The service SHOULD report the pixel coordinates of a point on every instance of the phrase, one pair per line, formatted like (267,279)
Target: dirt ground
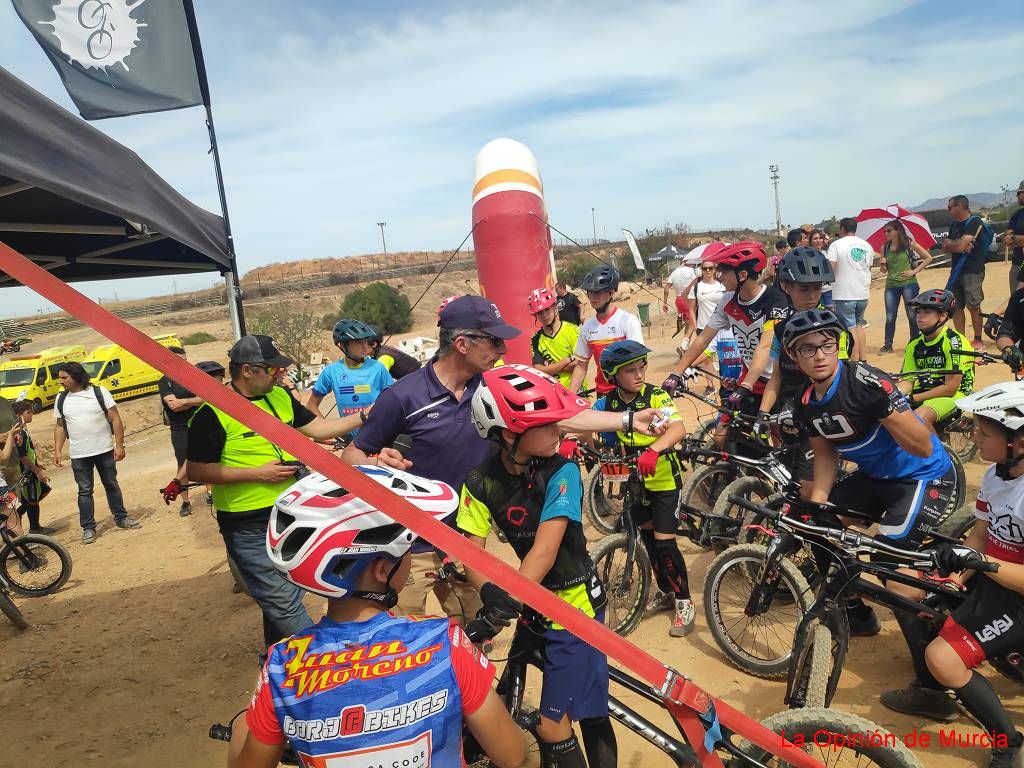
(147,645)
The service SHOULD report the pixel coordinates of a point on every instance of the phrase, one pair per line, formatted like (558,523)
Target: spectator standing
(36,487)
(1013,237)
(680,280)
(851,259)
(901,261)
(772,273)
(88,419)
(797,237)
(967,245)
(569,308)
(819,241)
(11,469)
(179,404)
(248,473)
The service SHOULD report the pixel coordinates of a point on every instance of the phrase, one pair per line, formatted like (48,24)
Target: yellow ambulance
(122,373)
(34,377)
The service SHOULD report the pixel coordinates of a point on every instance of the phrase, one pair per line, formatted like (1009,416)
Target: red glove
(170,493)
(647,462)
(569,449)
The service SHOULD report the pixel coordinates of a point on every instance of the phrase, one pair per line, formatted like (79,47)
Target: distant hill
(978,200)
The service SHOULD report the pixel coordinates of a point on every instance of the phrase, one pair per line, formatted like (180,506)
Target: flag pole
(231,281)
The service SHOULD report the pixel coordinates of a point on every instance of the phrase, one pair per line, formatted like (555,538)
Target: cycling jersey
(748,320)
(353,388)
(794,381)
(668,473)
(551,349)
(941,353)
(518,504)
(387,691)
(849,416)
(397,362)
(1001,505)
(596,334)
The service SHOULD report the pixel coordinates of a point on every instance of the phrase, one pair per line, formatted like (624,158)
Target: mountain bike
(31,565)
(821,638)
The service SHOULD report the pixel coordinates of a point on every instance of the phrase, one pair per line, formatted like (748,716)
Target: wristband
(362,416)
(625,421)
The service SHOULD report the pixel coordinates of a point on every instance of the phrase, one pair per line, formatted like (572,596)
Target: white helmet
(1003,402)
(321,536)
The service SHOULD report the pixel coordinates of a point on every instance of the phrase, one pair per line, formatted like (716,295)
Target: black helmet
(806,265)
(211,367)
(937,299)
(352,330)
(621,353)
(601,279)
(809,321)
(377,335)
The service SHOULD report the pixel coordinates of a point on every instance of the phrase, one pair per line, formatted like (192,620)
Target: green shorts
(942,406)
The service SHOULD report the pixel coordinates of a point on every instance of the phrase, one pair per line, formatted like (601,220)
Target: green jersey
(551,349)
(940,354)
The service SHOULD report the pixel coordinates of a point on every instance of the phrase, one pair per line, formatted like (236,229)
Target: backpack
(986,237)
(59,406)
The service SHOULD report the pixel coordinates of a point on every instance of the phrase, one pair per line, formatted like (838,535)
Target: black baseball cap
(258,350)
(476,313)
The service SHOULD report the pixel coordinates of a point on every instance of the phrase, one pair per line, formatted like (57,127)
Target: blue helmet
(619,354)
(352,330)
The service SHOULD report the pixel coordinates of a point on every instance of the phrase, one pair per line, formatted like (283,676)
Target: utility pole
(593,222)
(1006,193)
(773,169)
(383,242)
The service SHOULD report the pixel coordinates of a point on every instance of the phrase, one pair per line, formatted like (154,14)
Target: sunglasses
(707,269)
(493,340)
(273,370)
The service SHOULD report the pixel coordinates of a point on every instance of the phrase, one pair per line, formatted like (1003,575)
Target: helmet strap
(353,358)
(511,452)
(1003,470)
(603,309)
(386,599)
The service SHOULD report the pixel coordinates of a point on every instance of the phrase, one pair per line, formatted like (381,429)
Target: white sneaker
(682,622)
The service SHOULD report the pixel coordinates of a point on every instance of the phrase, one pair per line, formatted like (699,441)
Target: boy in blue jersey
(357,378)
(535,498)
(363,686)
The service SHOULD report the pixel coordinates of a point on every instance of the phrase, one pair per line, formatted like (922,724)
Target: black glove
(1012,357)
(954,558)
(672,384)
(760,430)
(992,323)
(498,604)
(739,396)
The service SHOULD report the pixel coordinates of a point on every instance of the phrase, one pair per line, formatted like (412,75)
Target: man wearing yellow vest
(248,473)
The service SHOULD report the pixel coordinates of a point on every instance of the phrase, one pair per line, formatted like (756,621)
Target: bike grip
(983,565)
(744,503)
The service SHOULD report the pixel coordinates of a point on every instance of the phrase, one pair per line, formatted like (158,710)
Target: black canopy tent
(87,208)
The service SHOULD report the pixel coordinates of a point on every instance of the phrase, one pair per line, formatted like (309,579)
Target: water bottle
(730,363)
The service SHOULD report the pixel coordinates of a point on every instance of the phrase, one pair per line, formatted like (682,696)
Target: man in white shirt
(851,259)
(87,417)
(680,280)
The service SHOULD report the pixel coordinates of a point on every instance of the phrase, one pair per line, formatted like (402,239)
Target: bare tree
(295,332)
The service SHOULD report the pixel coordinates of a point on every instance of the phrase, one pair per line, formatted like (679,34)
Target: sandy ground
(147,645)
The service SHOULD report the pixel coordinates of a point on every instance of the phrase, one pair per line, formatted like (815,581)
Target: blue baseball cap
(476,313)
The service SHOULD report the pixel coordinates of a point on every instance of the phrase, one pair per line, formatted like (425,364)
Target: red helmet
(540,299)
(746,255)
(518,397)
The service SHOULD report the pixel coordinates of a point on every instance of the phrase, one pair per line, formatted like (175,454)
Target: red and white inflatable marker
(683,698)
(510,236)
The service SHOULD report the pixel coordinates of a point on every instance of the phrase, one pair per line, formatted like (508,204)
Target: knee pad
(672,565)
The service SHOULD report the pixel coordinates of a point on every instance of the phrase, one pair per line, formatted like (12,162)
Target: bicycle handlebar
(857,542)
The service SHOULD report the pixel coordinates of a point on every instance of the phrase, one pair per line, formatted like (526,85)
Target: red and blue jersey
(387,691)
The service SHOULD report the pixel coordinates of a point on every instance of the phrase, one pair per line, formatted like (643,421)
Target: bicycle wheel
(760,645)
(527,719)
(34,565)
(627,582)
(837,739)
(11,611)
(813,667)
(959,440)
(725,528)
(702,489)
(957,500)
(705,431)
(603,501)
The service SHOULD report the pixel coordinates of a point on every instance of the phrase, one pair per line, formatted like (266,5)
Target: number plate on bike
(615,472)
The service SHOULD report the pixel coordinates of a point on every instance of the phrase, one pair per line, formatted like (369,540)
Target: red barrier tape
(674,687)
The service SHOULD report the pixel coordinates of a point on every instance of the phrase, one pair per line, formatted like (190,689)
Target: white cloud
(649,112)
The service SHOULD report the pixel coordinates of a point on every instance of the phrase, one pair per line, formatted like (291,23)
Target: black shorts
(988,624)
(659,506)
(179,441)
(908,510)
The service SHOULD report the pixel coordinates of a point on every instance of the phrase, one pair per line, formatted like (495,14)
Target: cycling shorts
(575,677)
(942,406)
(659,506)
(908,510)
(988,624)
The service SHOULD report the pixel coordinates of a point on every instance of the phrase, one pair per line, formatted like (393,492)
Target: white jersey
(1001,504)
(851,260)
(707,296)
(681,278)
(595,335)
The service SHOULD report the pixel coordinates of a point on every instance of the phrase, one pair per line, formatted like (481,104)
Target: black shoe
(1006,757)
(885,350)
(43,531)
(915,699)
(88,535)
(186,509)
(863,622)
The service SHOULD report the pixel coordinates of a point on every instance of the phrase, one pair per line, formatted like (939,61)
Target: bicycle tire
(705,432)
(813,669)
(812,725)
(960,441)
(790,604)
(11,611)
(959,524)
(603,508)
(703,487)
(34,552)
(754,489)
(623,614)
(957,499)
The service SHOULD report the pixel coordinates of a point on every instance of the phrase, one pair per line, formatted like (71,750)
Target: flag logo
(96,34)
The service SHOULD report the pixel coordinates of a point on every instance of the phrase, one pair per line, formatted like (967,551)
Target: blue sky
(332,116)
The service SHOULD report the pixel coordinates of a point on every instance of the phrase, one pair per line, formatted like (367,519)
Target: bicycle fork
(769,575)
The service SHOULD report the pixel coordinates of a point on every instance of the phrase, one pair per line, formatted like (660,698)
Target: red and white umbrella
(871,224)
(704,252)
